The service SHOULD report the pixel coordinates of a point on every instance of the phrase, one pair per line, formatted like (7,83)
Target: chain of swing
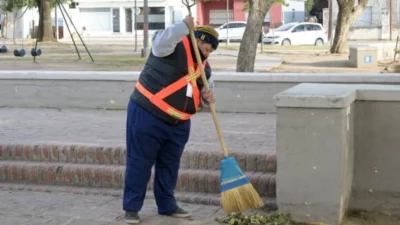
(35,51)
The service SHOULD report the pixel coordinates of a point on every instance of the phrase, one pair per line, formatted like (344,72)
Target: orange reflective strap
(165,92)
(191,77)
(196,94)
(193,74)
(162,104)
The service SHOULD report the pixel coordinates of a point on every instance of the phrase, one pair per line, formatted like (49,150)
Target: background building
(215,12)
(103,18)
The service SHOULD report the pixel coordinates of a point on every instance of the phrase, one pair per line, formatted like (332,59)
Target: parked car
(234,30)
(297,33)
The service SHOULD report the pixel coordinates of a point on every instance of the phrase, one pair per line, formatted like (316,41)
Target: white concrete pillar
(167,16)
(122,21)
(385,28)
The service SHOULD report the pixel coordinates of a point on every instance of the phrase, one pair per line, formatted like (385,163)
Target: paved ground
(242,131)
(40,208)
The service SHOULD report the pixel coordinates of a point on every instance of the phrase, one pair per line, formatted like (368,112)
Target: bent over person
(168,92)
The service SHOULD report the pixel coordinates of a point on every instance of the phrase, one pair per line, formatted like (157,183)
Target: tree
(46,28)
(12,6)
(348,11)
(309,5)
(44,9)
(258,9)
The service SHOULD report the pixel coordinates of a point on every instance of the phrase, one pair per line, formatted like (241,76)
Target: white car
(303,33)
(234,30)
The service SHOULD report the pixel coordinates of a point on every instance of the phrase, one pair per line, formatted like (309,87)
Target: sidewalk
(41,208)
(243,132)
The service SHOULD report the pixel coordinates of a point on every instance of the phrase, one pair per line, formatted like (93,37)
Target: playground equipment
(36,51)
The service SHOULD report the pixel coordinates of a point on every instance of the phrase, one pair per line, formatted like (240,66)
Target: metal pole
(135,27)
(227,27)
(77,32)
(66,23)
(55,12)
(145,28)
(390,19)
(262,41)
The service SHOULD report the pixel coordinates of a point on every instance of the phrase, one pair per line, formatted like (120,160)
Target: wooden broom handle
(205,82)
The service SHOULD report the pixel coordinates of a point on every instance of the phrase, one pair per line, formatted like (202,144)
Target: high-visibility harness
(190,77)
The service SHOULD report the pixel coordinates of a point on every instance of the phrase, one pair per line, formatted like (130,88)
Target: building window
(365,19)
(128,20)
(116,27)
(156,18)
(219,17)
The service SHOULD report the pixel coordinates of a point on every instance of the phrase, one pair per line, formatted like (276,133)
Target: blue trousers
(150,141)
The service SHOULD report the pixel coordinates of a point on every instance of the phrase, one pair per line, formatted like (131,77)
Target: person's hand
(209,97)
(189,22)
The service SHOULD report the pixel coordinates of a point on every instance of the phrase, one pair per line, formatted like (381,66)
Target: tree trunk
(341,31)
(347,14)
(46,30)
(248,46)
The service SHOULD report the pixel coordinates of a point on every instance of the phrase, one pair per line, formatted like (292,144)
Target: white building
(378,20)
(104,17)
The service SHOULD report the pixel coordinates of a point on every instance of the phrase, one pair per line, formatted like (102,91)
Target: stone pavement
(242,132)
(55,208)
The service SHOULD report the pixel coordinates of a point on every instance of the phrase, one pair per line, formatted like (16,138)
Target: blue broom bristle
(231,175)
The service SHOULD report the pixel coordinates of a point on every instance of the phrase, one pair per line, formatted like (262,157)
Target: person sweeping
(168,92)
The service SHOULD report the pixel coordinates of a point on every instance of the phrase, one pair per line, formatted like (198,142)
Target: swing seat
(19,53)
(3,49)
(36,52)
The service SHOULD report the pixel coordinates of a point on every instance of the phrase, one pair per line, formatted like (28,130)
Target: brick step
(111,176)
(191,159)
(186,197)
(208,181)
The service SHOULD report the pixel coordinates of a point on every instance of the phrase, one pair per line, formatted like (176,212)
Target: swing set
(35,51)
(21,52)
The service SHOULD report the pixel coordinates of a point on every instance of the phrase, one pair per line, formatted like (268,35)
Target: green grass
(101,62)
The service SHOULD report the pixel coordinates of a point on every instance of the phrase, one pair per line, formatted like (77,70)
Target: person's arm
(166,40)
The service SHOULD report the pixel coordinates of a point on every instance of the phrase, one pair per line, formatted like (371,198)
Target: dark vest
(159,72)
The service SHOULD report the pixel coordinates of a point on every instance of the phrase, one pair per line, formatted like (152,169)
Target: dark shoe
(131,217)
(180,213)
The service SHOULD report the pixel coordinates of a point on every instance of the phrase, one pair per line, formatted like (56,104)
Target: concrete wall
(385,50)
(374,26)
(294,11)
(376,184)
(235,92)
(323,177)
(341,142)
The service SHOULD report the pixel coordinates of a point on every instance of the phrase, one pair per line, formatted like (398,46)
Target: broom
(237,193)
